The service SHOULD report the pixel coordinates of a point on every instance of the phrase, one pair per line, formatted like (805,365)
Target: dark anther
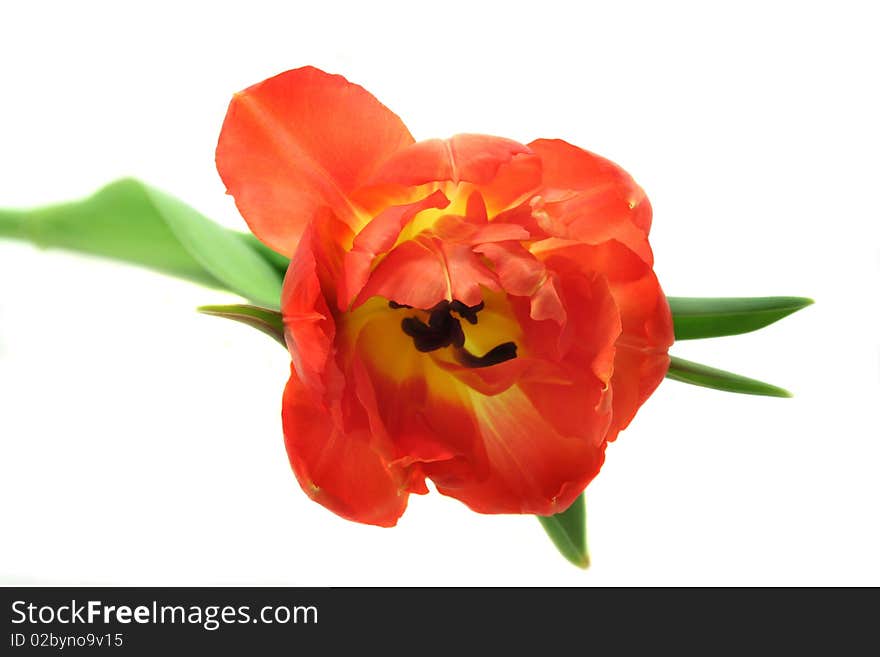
(467,312)
(499,354)
(444,330)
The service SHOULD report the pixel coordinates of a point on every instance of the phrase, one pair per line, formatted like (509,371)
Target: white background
(140,442)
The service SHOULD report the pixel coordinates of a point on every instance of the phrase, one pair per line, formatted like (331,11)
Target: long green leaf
(568,531)
(278,261)
(707,317)
(709,377)
(266,320)
(135,223)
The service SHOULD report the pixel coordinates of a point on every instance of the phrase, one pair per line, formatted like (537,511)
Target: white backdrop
(140,442)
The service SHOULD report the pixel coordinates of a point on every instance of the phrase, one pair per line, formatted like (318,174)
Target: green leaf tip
(263,319)
(709,377)
(696,318)
(568,531)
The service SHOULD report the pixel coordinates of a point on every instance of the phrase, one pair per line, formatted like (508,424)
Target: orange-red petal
(587,198)
(338,463)
(521,274)
(462,158)
(300,141)
(377,237)
(641,358)
(427,270)
(542,418)
(309,327)
(531,467)
(584,349)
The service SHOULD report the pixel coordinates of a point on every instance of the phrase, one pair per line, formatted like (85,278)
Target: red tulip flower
(473,311)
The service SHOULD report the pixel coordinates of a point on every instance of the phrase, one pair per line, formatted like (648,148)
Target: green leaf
(709,377)
(266,320)
(132,222)
(706,317)
(12,224)
(568,531)
(278,261)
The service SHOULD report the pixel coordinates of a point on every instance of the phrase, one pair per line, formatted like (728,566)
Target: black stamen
(435,335)
(444,330)
(467,312)
(499,354)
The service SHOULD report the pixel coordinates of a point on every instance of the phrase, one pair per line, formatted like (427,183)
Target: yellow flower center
(405,342)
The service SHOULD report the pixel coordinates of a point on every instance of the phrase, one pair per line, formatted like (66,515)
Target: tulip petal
(541,418)
(376,238)
(585,346)
(300,141)
(424,271)
(423,413)
(641,358)
(338,466)
(587,198)
(309,328)
(498,378)
(411,274)
(515,183)
(532,468)
(521,274)
(462,158)
(467,231)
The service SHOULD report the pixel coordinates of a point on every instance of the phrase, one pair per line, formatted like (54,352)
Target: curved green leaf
(220,251)
(568,531)
(708,377)
(278,261)
(263,319)
(130,221)
(708,317)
